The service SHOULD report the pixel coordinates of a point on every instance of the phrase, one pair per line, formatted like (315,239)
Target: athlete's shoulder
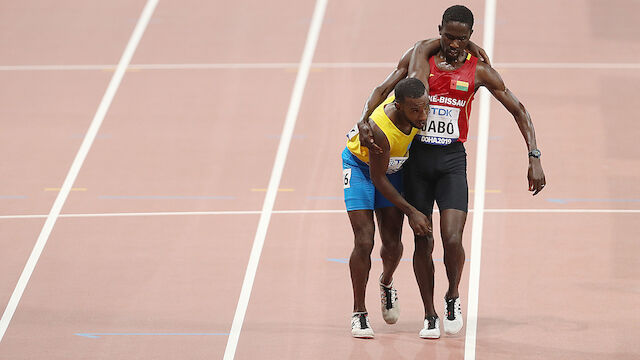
(380,136)
(486,75)
(482,66)
(379,111)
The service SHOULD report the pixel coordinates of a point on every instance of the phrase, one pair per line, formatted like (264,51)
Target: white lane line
(480,183)
(75,166)
(342,211)
(293,65)
(569,66)
(54,67)
(276,174)
(229,66)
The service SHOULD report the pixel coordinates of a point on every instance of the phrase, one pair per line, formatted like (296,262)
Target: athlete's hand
(535,175)
(477,50)
(419,223)
(365,133)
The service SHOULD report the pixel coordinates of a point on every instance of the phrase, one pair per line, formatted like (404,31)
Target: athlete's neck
(448,64)
(398,119)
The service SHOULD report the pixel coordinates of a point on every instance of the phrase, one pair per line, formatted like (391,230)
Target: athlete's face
(415,110)
(454,38)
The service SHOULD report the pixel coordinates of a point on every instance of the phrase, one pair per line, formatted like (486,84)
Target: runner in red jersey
(450,96)
(436,169)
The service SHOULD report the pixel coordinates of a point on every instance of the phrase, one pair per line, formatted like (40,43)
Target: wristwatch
(535,153)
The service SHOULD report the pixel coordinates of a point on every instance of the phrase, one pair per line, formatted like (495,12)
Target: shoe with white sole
(431,328)
(452,321)
(389,299)
(360,326)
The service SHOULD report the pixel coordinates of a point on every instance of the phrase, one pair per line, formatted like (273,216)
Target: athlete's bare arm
(376,98)
(486,76)
(378,165)
(425,49)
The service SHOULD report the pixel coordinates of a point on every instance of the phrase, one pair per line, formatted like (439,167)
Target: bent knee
(363,247)
(392,244)
(452,240)
(424,243)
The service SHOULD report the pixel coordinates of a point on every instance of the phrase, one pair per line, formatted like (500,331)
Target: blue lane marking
(566,201)
(346,260)
(13,196)
(97,335)
(164,197)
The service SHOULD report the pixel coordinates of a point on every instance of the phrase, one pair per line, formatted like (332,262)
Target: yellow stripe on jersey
(399,142)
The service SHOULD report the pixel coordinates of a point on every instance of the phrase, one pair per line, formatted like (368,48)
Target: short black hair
(458,13)
(409,88)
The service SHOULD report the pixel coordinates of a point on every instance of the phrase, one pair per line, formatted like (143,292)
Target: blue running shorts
(359,192)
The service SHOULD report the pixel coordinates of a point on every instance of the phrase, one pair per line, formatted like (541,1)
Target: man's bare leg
(360,260)
(423,269)
(451,227)
(390,227)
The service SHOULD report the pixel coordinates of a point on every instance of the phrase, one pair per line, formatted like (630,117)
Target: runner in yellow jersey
(373,182)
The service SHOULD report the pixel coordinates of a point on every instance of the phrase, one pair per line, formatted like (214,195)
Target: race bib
(395,163)
(346,178)
(353,132)
(441,127)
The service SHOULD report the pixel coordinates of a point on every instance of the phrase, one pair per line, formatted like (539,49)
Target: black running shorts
(439,173)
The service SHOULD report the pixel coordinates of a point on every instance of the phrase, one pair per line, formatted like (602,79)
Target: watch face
(535,153)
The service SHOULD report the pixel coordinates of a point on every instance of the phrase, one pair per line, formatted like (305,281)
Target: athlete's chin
(451,55)
(451,59)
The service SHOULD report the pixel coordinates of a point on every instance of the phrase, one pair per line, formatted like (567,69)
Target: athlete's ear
(397,105)
(440,29)
(471,32)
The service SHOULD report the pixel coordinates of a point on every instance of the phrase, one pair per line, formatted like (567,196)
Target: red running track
(559,276)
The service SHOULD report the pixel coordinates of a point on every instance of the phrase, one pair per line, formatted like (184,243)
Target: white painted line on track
(480,184)
(276,174)
(569,66)
(55,67)
(341,211)
(229,66)
(291,65)
(76,165)
(565,211)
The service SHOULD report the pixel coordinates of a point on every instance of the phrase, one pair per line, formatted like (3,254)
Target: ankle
(386,282)
(429,314)
(451,295)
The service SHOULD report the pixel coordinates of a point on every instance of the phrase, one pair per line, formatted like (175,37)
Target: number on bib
(346,178)
(441,127)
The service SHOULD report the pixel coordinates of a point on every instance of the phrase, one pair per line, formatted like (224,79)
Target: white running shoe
(360,326)
(452,321)
(431,328)
(389,299)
